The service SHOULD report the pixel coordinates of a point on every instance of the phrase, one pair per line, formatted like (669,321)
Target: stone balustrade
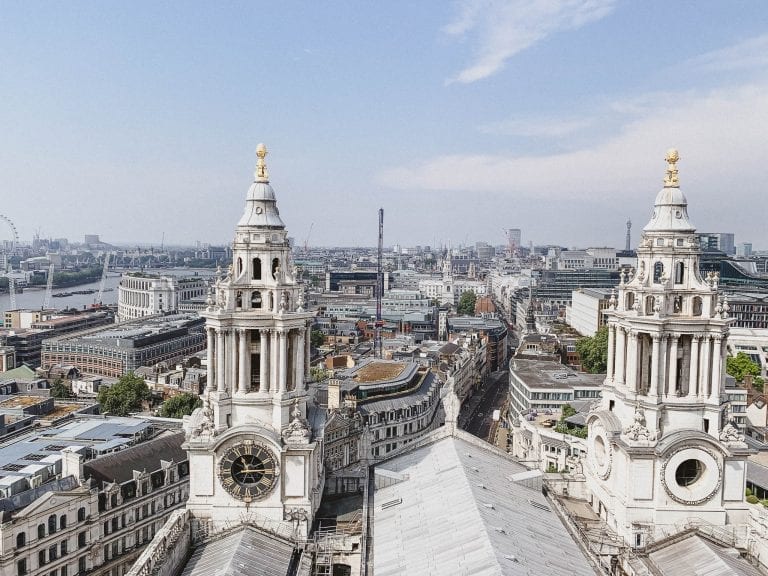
(168,548)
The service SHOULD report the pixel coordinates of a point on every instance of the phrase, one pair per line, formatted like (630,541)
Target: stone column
(705,374)
(693,383)
(221,377)
(264,361)
(298,372)
(273,361)
(282,378)
(717,365)
(632,360)
(232,361)
(620,355)
(243,370)
(611,354)
(653,388)
(673,364)
(662,391)
(307,351)
(210,334)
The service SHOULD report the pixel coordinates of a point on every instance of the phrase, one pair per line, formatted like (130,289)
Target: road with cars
(491,396)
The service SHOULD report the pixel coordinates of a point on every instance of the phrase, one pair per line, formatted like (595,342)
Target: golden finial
(670,180)
(261,166)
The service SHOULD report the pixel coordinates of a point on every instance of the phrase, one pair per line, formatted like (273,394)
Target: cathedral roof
(670,210)
(244,551)
(456,505)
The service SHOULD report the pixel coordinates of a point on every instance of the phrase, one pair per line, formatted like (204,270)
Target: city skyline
(140,122)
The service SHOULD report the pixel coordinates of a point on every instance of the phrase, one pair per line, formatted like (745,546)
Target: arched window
(650,301)
(21,539)
(239,299)
(679,272)
(113,501)
(257,268)
(81,515)
(658,271)
(275,268)
(51,523)
(629,301)
(239,266)
(697,306)
(256,299)
(41,530)
(62,522)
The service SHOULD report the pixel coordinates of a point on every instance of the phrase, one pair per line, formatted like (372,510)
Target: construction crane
(48,288)
(379,288)
(306,238)
(103,278)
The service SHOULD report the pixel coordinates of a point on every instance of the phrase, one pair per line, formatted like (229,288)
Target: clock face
(248,471)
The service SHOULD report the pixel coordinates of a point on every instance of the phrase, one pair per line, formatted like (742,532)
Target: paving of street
(478,419)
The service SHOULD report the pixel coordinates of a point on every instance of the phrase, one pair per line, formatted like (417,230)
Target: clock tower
(252,454)
(661,448)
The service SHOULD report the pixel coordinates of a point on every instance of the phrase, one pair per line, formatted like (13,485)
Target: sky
(139,121)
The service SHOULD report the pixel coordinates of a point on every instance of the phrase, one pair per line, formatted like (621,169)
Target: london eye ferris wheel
(9,239)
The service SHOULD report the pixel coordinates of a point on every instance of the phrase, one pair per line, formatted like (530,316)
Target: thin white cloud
(721,137)
(538,127)
(502,29)
(748,54)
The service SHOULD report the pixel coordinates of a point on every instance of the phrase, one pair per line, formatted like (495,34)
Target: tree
(741,366)
(567,411)
(593,351)
(60,390)
(316,338)
(125,396)
(318,373)
(180,405)
(467,303)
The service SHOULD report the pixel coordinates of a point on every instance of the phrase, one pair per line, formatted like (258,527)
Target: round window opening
(600,450)
(689,472)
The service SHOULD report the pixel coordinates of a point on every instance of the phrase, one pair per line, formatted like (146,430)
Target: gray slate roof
(696,556)
(246,552)
(119,467)
(449,507)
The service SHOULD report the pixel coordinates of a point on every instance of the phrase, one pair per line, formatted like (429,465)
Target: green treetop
(125,396)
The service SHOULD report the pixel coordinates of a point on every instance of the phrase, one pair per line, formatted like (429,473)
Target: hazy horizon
(139,121)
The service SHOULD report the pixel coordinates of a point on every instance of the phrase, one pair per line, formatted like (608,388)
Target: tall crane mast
(379,287)
(48,288)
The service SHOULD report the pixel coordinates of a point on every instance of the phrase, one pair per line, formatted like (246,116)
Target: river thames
(33,298)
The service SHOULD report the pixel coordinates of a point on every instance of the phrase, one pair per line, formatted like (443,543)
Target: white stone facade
(141,295)
(585,313)
(660,446)
(256,399)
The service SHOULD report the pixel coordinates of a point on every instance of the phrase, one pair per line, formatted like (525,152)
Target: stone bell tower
(252,454)
(661,447)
